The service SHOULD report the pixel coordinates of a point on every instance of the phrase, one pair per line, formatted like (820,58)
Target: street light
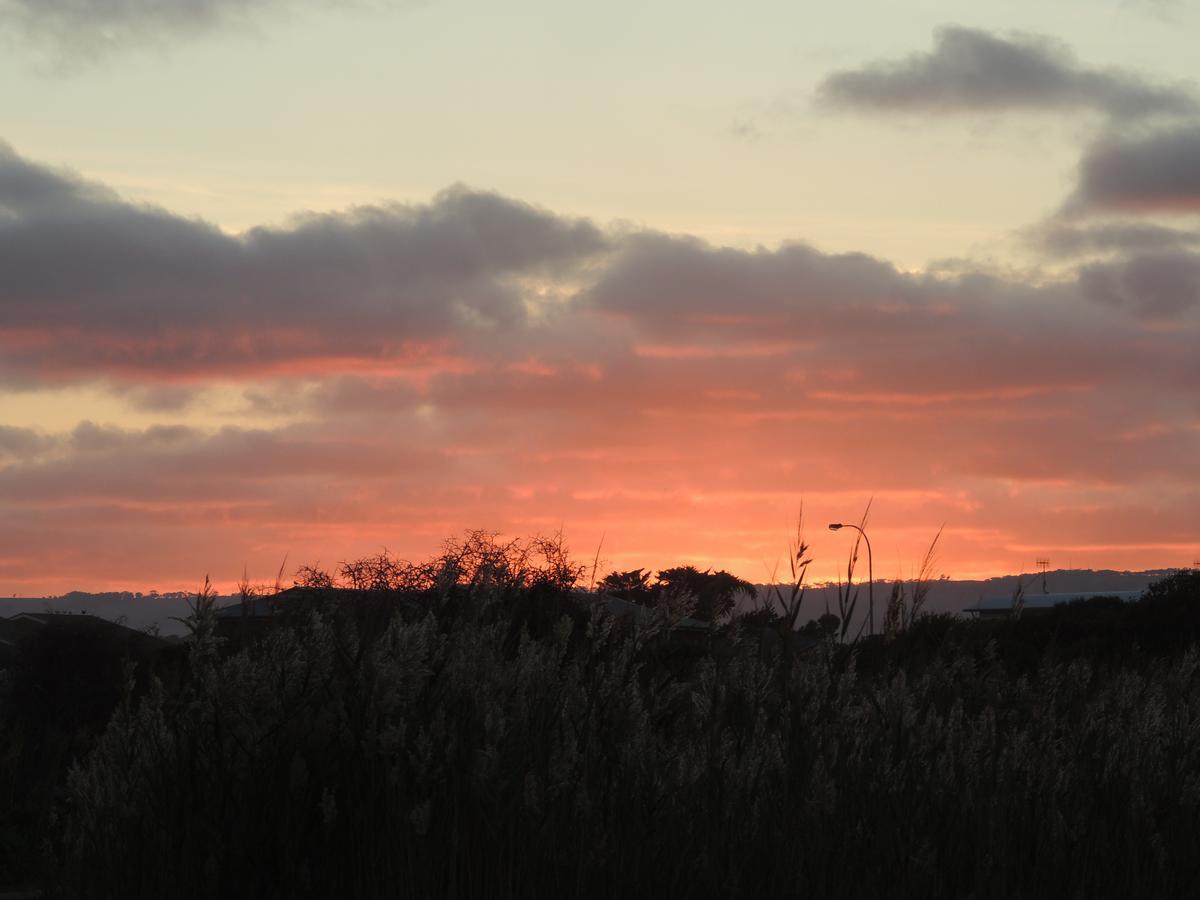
(836,526)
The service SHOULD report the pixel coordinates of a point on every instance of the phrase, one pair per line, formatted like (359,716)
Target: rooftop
(1047,601)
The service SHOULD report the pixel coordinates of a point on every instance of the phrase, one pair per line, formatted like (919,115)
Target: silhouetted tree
(633,586)
(825,626)
(313,577)
(714,593)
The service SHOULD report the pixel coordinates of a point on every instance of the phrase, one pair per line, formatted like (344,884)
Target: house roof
(1047,601)
(18,627)
(263,607)
(254,607)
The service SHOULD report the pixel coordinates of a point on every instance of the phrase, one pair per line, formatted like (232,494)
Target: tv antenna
(1043,564)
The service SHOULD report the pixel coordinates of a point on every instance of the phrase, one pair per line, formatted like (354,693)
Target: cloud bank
(1165,284)
(1063,239)
(1155,172)
(98,284)
(406,371)
(974,71)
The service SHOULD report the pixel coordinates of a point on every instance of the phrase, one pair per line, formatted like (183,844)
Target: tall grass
(906,601)
(591,757)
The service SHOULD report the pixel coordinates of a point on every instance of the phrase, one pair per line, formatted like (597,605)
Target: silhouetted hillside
(946,595)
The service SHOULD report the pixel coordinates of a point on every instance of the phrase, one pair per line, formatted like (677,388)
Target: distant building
(253,613)
(250,617)
(998,607)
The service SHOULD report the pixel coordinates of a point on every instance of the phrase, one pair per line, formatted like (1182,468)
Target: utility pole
(1043,564)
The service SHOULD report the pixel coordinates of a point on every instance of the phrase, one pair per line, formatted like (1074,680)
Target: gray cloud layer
(1060,239)
(1154,172)
(677,382)
(971,71)
(1155,285)
(97,288)
(678,286)
(76,259)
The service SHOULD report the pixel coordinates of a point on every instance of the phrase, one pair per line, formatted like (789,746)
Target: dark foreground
(486,735)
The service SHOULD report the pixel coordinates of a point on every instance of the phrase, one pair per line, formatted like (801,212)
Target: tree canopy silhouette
(714,593)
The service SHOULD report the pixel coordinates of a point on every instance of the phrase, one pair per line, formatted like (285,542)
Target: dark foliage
(708,596)
(633,586)
(498,736)
(65,681)
(714,593)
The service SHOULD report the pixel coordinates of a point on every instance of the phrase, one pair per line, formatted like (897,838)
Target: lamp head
(834,526)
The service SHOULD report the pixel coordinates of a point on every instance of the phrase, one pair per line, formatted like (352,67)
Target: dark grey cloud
(109,284)
(89,437)
(82,30)
(680,286)
(21,442)
(1157,172)
(318,317)
(159,398)
(173,463)
(973,71)
(1154,285)
(812,330)
(29,189)
(1062,239)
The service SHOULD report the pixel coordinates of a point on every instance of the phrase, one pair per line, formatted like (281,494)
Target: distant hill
(153,609)
(951,596)
(135,610)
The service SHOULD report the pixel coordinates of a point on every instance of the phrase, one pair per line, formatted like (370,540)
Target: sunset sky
(319,278)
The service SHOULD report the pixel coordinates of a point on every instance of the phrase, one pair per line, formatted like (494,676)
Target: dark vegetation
(59,687)
(479,727)
(711,595)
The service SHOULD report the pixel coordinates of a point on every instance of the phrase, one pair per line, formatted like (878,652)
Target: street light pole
(835,526)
